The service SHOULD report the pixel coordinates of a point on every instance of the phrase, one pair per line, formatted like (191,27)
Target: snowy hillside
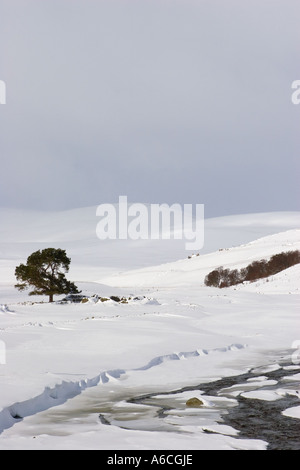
(74,375)
(191,271)
(22,232)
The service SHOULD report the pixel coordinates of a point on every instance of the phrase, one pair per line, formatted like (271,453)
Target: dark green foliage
(221,277)
(42,271)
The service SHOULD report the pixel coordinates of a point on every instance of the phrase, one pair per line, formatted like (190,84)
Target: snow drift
(66,363)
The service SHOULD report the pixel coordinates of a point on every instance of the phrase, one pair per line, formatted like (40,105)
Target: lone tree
(43,272)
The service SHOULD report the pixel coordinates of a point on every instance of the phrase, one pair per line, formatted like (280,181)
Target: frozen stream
(248,406)
(256,412)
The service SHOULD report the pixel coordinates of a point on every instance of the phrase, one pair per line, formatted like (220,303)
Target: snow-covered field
(67,370)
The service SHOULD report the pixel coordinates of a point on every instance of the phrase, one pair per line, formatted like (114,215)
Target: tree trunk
(50,297)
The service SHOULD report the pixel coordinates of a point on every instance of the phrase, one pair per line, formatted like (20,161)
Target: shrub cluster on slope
(222,277)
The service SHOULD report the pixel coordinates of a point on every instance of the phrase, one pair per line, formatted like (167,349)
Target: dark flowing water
(262,419)
(255,418)
(229,409)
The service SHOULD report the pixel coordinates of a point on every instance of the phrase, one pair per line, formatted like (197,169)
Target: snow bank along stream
(254,405)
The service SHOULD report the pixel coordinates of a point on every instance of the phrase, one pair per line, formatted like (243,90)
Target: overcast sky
(165,101)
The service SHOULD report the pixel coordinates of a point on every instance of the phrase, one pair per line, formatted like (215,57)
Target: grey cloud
(162,101)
